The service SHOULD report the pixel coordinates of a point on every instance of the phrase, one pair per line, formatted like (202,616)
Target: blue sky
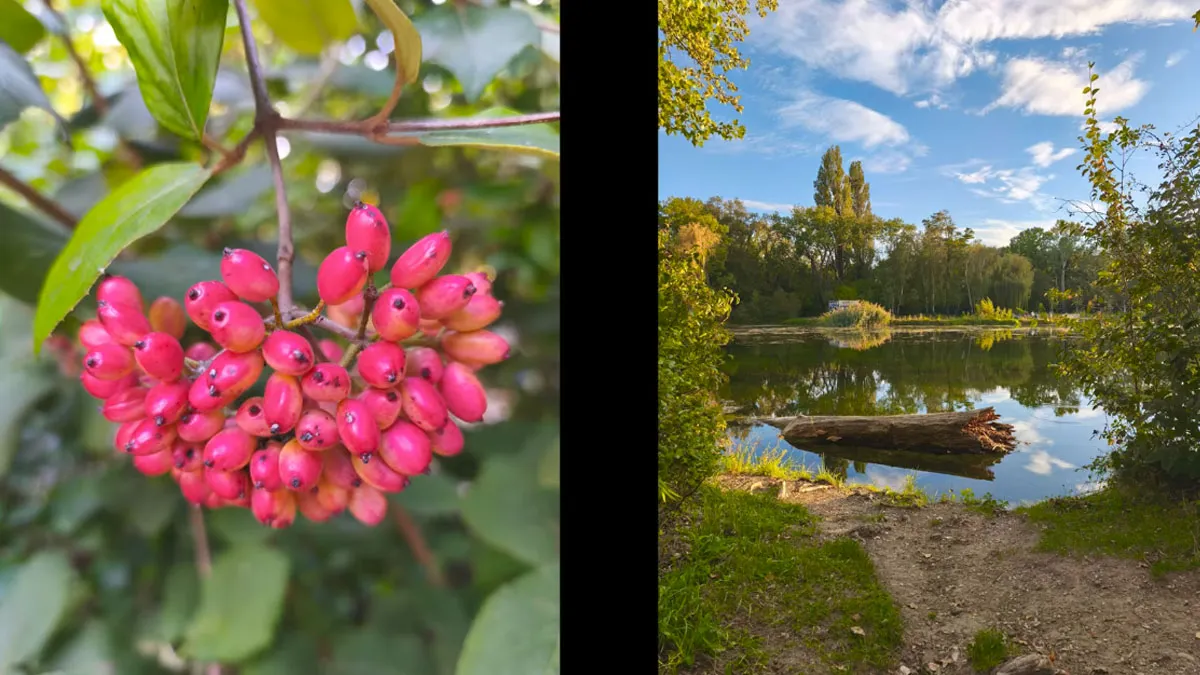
(973,106)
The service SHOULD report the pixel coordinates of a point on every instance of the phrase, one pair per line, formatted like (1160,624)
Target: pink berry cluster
(322,438)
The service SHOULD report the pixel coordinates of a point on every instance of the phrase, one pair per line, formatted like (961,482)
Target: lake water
(785,371)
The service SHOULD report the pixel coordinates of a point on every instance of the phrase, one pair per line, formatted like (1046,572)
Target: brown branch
(412,126)
(40,202)
(267,121)
(203,558)
(369,296)
(88,83)
(416,541)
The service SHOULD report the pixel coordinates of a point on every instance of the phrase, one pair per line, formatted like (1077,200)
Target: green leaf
(517,630)
(236,193)
(308,26)
(180,593)
(20,29)
(90,651)
(433,495)
(549,467)
(22,382)
(405,37)
(374,650)
(535,139)
(240,606)
(32,245)
(506,508)
(33,607)
(475,43)
(137,208)
(20,89)
(293,653)
(237,526)
(175,46)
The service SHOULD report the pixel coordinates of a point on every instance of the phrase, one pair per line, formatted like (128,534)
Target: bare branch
(40,202)
(203,557)
(413,126)
(88,83)
(416,541)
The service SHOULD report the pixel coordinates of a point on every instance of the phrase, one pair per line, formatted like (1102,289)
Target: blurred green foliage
(97,562)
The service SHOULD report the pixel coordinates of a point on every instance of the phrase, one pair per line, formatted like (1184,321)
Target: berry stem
(278,317)
(203,559)
(416,541)
(307,318)
(415,126)
(370,293)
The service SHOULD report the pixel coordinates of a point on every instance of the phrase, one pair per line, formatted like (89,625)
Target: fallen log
(973,432)
(975,466)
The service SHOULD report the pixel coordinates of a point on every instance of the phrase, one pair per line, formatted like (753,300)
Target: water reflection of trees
(910,373)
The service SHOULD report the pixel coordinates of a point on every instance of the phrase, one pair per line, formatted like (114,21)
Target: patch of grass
(773,463)
(986,505)
(911,496)
(824,475)
(861,314)
(1122,523)
(988,649)
(756,571)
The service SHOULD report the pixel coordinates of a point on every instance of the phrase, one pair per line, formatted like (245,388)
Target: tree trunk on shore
(970,432)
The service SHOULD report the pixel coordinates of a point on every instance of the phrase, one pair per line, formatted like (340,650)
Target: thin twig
(40,202)
(267,120)
(88,83)
(325,71)
(203,558)
(316,345)
(416,541)
(369,296)
(410,126)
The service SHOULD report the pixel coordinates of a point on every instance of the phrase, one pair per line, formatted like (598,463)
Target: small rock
(857,630)
(905,670)
(1030,664)
(932,667)
(1186,656)
(1099,670)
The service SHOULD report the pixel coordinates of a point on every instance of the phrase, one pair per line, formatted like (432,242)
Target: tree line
(785,265)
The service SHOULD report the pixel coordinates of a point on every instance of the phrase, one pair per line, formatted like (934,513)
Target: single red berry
(447,441)
(104,389)
(310,506)
(117,290)
(331,497)
(483,283)
(203,297)
(166,402)
(378,474)
(288,353)
(194,487)
(331,350)
(381,365)
(154,464)
(187,456)
(477,348)
(339,468)
(264,468)
(425,363)
(327,383)
(367,230)
(405,448)
(237,327)
(251,418)
(232,373)
(396,315)
(422,261)
(248,275)
(444,295)
(125,323)
(384,405)
(349,312)
(126,405)
(160,356)
(422,404)
(108,362)
(465,397)
(356,427)
(342,274)
(431,327)
(167,316)
(480,312)
(148,438)
(274,508)
(92,334)
(299,468)
(198,427)
(227,484)
(283,401)
(200,352)
(316,430)
(367,505)
(229,450)
(242,502)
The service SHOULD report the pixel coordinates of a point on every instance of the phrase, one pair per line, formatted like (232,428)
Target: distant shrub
(859,315)
(984,309)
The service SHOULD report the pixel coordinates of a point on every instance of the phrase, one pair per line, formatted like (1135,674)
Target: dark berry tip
(295,482)
(258,484)
(102,303)
(314,489)
(91,363)
(190,453)
(427,373)
(274,428)
(179,464)
(360,255)
(365,457)
(212,373)
(359,205)
(159,420)
(469,290)
(212,391)
(398,303)
(318,377)
(357,482)
(208,463)
(391,397)
(391,377)
(254,411)
(140,344)
(219,315)
(194,294)
(306,436)
(227,252)
(299,356)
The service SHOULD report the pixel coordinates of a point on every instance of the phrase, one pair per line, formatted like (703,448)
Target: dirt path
(954,571)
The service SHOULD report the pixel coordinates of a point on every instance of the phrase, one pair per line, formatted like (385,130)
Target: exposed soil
(954,571)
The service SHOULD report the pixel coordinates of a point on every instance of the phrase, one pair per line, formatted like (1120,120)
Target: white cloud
(1044,154)
(1044,87)
(755,205)
(997,232)
(934,101)
(913,47)
(1007,185)
(843,120)
(1043,463)
(891,161)
(768,144)
(1174,59)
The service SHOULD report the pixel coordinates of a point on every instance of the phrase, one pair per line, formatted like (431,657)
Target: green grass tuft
(741,460)
(988,649)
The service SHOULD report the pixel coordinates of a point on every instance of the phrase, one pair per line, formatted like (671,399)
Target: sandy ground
(954,571)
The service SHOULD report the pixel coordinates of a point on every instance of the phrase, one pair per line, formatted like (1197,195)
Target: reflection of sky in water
(1047,461)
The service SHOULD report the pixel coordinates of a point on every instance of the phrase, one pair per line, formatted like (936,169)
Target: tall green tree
(704,36)
(860,190)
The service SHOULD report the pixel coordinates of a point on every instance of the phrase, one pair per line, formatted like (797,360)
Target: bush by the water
(984,309)
(859,315)
(691,337)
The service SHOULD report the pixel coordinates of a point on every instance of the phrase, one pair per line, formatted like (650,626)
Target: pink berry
(431,327)
(483,283)
(367,230)
(283,402)
(299,468)
(381,365)
(396,314)
(339,469)
(155,464)
(422,261)
(148,438)
(310,506)
(227,484)
(203,297)
(423,405)
(166,402)
(193,486)
(331,350)
(198,427)
(109,362)
(447,441)
(444,295)
(331,497)
(125,323)
(274,508)
(187,456)
(167,316)
(326,383)
(248,275)
(126,405)
(103,389)
(229,450)
(405,448)
(116,290)
(356,427)
(349,312)
(92,334)
(465,397)
(264,468)
(288,353)
(479,313)
(316,430)
(367,505)
(384,405)
(378,474)
(160,356)
(425,363)
(237,327)
(233,373)
(342,274)
(476,348)
(200,352)
(251,418)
